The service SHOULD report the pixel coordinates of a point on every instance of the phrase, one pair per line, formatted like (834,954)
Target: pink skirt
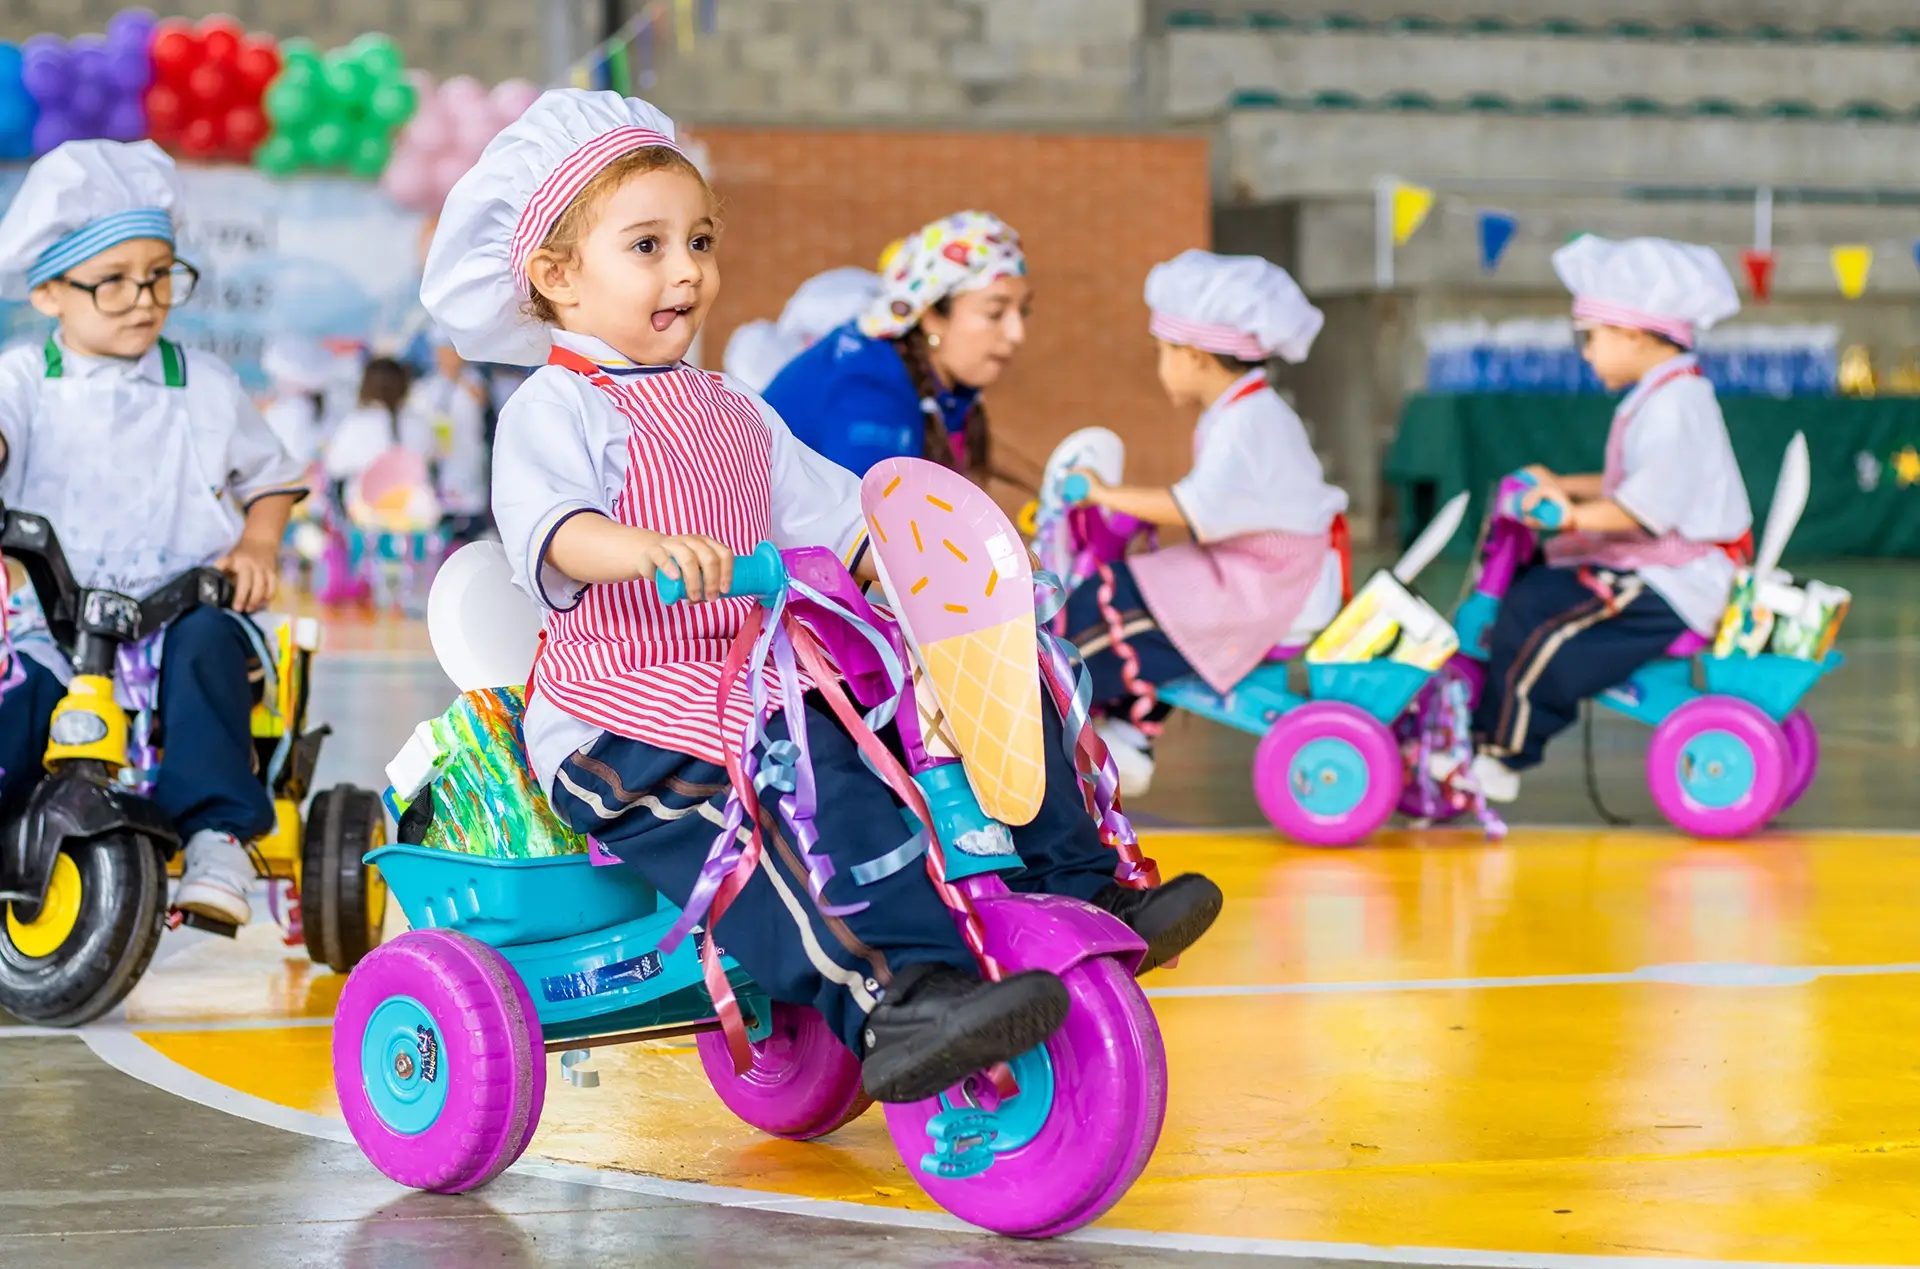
(1225,605)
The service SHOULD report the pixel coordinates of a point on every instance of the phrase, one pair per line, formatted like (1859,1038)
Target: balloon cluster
(454,124)
(337,110)
(17,109)
(88,87)
(208,81)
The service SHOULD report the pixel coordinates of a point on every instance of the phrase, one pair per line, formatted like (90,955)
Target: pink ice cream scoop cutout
(962,587)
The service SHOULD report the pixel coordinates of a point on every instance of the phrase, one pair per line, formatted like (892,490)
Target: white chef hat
(1675,289)
(757,352)
(1237,306)
(77,201)
(500,212)
(298,364)
(827,301)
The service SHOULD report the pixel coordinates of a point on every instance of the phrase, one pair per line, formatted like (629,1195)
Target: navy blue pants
(1564,635)
(204,729)
(1160,662)
(658,811)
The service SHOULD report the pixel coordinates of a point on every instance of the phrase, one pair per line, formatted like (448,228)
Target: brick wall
(1095,213)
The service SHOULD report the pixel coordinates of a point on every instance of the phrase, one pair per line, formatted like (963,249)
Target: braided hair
(936,448)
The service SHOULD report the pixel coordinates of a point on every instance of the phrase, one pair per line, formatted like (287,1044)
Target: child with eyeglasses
(149,462)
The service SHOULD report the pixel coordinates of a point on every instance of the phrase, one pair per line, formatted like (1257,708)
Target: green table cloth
(1865,498)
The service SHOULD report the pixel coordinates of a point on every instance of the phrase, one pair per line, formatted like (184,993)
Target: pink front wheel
(804,1083)
(1718,768)
(1070,1143)
(1803,756)
(438,1061)
(1328,774)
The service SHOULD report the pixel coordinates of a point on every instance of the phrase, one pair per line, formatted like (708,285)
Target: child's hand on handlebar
(702,563)
(254,567)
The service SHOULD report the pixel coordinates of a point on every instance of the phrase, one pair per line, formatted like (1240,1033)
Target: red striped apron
(1625,552)
(1225,604)
(699,461)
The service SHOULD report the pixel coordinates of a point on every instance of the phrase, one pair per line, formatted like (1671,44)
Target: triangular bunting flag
(1759,266)
(1411,203)
(1916,253)
(1851,265)
(1496,231)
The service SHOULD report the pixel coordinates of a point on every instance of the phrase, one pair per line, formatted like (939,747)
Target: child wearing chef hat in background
(150,461)
(1268,548)
(1653,539)
(759,351)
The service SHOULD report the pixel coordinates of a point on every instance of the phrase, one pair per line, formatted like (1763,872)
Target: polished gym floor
(1583,1041)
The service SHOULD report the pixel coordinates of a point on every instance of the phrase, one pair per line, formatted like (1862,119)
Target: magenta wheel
(1072,1141)
(1717,767)
(804,1083)
(1328,774)
(1803,756)
(438,1061)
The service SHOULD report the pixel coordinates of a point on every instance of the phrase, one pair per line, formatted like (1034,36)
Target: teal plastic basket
(1774,683)
(507,902)
(1382,688)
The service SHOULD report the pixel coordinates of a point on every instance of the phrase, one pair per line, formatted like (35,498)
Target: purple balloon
(128,68)
(88,101)
(131,28)
(46,69)
(126,121)
(87,58)
(53,131)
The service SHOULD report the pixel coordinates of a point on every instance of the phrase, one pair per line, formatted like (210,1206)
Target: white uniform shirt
(1254,470)
(451,412)
(296,420)
(1681,476)
(562,448)
(142,481)
(368,431)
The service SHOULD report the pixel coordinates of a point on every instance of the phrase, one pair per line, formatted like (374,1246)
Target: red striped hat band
(1678,329)
(1206,336)
(565,182)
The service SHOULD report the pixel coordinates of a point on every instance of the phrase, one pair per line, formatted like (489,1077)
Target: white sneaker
(1492,777)
(218,874)
(1132,755)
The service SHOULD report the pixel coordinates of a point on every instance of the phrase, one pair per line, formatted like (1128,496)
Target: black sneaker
(937,1025)
(1171,918)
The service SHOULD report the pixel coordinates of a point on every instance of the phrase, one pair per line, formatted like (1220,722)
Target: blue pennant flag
(1496,231)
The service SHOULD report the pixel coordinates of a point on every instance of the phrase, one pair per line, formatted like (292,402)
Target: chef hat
(77,201)
(967,251)
(1236,306)
(758,352)
(298,364)
(500,212)
(827,301)
(1675,289)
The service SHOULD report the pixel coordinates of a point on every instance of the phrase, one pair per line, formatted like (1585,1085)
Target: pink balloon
(474,130)
(430,129)
(462,93)
(448,169)
(409,181)
(511,98)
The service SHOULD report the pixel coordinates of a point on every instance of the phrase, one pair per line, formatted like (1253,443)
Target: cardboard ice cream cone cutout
(962,588)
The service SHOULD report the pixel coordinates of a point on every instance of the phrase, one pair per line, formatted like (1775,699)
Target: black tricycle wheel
(343,901)
(93,937)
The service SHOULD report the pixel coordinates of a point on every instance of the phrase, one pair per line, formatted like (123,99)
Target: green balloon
(330,143)
(299,59)
(371,150)
(279,156)
(392,104)
(291,104)
(347,81)
(378,55)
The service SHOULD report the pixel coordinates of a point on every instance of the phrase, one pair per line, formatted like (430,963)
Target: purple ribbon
(12,672)
(139,672)
(1064,667)
(1446,730)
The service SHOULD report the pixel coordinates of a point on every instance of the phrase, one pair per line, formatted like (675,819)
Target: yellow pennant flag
(1411,203)
(1850,268)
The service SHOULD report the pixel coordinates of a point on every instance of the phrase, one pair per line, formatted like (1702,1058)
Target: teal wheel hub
(403,1065)
(1716,769)
(978,1124)
(1328,777)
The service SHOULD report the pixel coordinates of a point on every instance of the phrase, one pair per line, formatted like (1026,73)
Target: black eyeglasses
(117,296)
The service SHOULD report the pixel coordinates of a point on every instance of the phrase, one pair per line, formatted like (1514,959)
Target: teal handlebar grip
(762,575)
(1074,489)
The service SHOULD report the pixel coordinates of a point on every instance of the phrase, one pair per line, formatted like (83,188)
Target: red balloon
(222,38)
(166,112)
(211,86)
(175,51)
(247,127)
(258,63)
(202,138)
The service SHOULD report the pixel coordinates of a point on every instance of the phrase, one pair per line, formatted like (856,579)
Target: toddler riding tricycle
(1730,748)
(1328,771)
(525,943)
(83,870)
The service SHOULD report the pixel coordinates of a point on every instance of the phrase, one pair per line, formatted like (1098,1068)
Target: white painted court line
(129,1055)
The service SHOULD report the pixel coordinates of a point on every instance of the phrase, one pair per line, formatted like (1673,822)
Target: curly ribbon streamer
(1144,696)
(12,670)
(138,666)
(1072,690)
(1446,730)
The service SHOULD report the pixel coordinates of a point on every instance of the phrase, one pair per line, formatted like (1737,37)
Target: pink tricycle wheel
(1075,1137)
(1717,767)
(438,1061)
(1328,774)
(1803,756)
(804,1083)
